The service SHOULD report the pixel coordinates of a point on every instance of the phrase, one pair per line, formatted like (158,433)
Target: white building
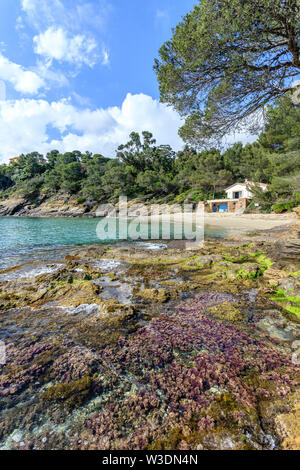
(242,190)
(238,198)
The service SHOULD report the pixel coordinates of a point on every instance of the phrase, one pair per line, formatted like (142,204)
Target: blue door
(223,208)
(215,208)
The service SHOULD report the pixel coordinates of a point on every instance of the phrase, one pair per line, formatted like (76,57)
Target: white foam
(107,265)
(152,246)
(86,309)
(28,272)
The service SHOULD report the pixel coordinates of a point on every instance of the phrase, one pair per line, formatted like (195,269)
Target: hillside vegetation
(144,170)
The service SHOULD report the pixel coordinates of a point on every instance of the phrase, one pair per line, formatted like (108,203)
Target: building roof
(14,159)
(225,200)
(247,183)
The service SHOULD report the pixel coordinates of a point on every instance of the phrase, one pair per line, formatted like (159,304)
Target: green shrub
(284,206)
(81,200)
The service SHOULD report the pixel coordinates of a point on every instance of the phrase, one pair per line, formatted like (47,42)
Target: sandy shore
(249,222)
(241,222)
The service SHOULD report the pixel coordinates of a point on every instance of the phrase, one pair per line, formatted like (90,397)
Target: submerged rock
(226,311)
(279,329)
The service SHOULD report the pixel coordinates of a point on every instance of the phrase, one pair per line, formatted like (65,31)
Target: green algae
(293,310)
(244,274)
(70,395)
(263,261)
(294,274)
(290,303)
(252,266)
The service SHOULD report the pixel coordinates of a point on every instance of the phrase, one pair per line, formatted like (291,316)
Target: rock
(289,248)
(11,206)
(290,285)
(208,259)
(226,311)
(129,363)
(272,276)
(155,295)
(91,252)
(86,309)
(43,206)
(248,271)
(238,271)
(281,417)
(288,425)
(39,295)
(279,329)
(112,308)
(296,344)
(297,210)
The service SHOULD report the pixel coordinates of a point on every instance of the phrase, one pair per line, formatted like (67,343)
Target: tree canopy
(226,60)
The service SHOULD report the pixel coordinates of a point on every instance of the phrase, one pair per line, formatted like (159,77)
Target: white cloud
(67,32)
(43,12)
(24,125)
(55,77)
(19,23)
(69,14)
(24,81)
(105,56)
(55,43)
(28,5)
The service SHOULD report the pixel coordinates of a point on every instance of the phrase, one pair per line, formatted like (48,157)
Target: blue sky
(77,74)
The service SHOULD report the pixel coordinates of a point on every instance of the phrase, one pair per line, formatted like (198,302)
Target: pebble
(17,437)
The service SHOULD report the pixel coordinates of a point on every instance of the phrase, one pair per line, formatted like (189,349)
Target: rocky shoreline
(126,347)
(44,207)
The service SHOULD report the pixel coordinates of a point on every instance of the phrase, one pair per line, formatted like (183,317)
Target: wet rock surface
(126,347)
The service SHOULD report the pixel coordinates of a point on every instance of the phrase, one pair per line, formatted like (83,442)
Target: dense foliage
(226,60)
(147,171)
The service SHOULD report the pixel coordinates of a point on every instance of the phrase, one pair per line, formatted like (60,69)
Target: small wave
(28,271)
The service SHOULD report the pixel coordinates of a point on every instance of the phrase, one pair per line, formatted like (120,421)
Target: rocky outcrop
(289,248)
(11,206)
(58,206)
(214,367)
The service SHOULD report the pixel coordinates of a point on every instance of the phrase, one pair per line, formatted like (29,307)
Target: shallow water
(24,239)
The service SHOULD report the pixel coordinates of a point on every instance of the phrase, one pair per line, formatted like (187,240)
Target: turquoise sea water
(24,239)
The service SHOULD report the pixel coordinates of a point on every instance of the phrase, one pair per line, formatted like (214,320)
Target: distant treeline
(144,170)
